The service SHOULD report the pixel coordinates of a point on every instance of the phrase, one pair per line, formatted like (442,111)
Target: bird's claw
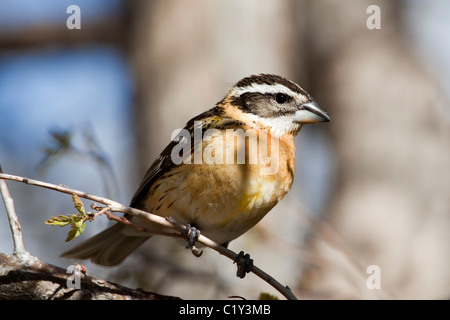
(244,264)
(192,234)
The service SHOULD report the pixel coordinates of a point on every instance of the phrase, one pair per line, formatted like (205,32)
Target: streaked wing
(164,163)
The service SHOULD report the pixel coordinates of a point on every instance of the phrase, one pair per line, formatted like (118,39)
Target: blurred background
(91,108)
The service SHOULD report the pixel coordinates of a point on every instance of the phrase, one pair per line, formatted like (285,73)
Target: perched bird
(225,171)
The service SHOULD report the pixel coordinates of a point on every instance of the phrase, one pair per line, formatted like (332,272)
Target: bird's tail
(108,248)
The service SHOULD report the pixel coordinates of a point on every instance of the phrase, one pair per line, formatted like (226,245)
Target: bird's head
(274,103)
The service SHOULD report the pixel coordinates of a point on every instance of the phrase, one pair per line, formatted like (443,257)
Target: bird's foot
(244,264)
(192,234)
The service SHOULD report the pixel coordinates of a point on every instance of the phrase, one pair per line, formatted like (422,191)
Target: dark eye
(281,98)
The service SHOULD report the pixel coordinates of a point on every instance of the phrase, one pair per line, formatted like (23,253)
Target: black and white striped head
(275,103)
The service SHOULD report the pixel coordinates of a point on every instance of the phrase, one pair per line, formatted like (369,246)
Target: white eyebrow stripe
(264,88)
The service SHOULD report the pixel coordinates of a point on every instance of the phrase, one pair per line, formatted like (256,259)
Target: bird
(211,177)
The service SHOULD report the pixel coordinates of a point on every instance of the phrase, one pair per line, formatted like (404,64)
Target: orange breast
(226,199)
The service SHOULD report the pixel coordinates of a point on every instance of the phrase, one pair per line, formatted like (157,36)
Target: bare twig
(14,224)
(126,221)
(169,223)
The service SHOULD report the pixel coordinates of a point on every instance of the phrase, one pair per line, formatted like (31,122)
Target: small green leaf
(77,221)
(61,221)
(77,224)
(78,204)
(77,228)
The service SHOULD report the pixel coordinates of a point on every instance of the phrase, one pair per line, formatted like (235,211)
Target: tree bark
(37,280)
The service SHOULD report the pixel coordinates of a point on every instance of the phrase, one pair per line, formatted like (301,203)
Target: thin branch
(14,224)
(127,222)
(170,223)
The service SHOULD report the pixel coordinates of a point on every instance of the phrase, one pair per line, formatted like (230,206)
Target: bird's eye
(281,98)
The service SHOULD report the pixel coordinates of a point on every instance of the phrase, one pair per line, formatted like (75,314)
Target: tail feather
(108,248)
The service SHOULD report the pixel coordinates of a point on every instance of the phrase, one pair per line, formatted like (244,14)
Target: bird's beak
(311,112)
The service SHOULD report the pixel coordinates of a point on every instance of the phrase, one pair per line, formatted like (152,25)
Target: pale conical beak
(311,112)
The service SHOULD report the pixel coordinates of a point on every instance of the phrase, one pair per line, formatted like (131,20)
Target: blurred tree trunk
(391,138)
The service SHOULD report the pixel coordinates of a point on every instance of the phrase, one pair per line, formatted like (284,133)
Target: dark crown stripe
(270,79)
